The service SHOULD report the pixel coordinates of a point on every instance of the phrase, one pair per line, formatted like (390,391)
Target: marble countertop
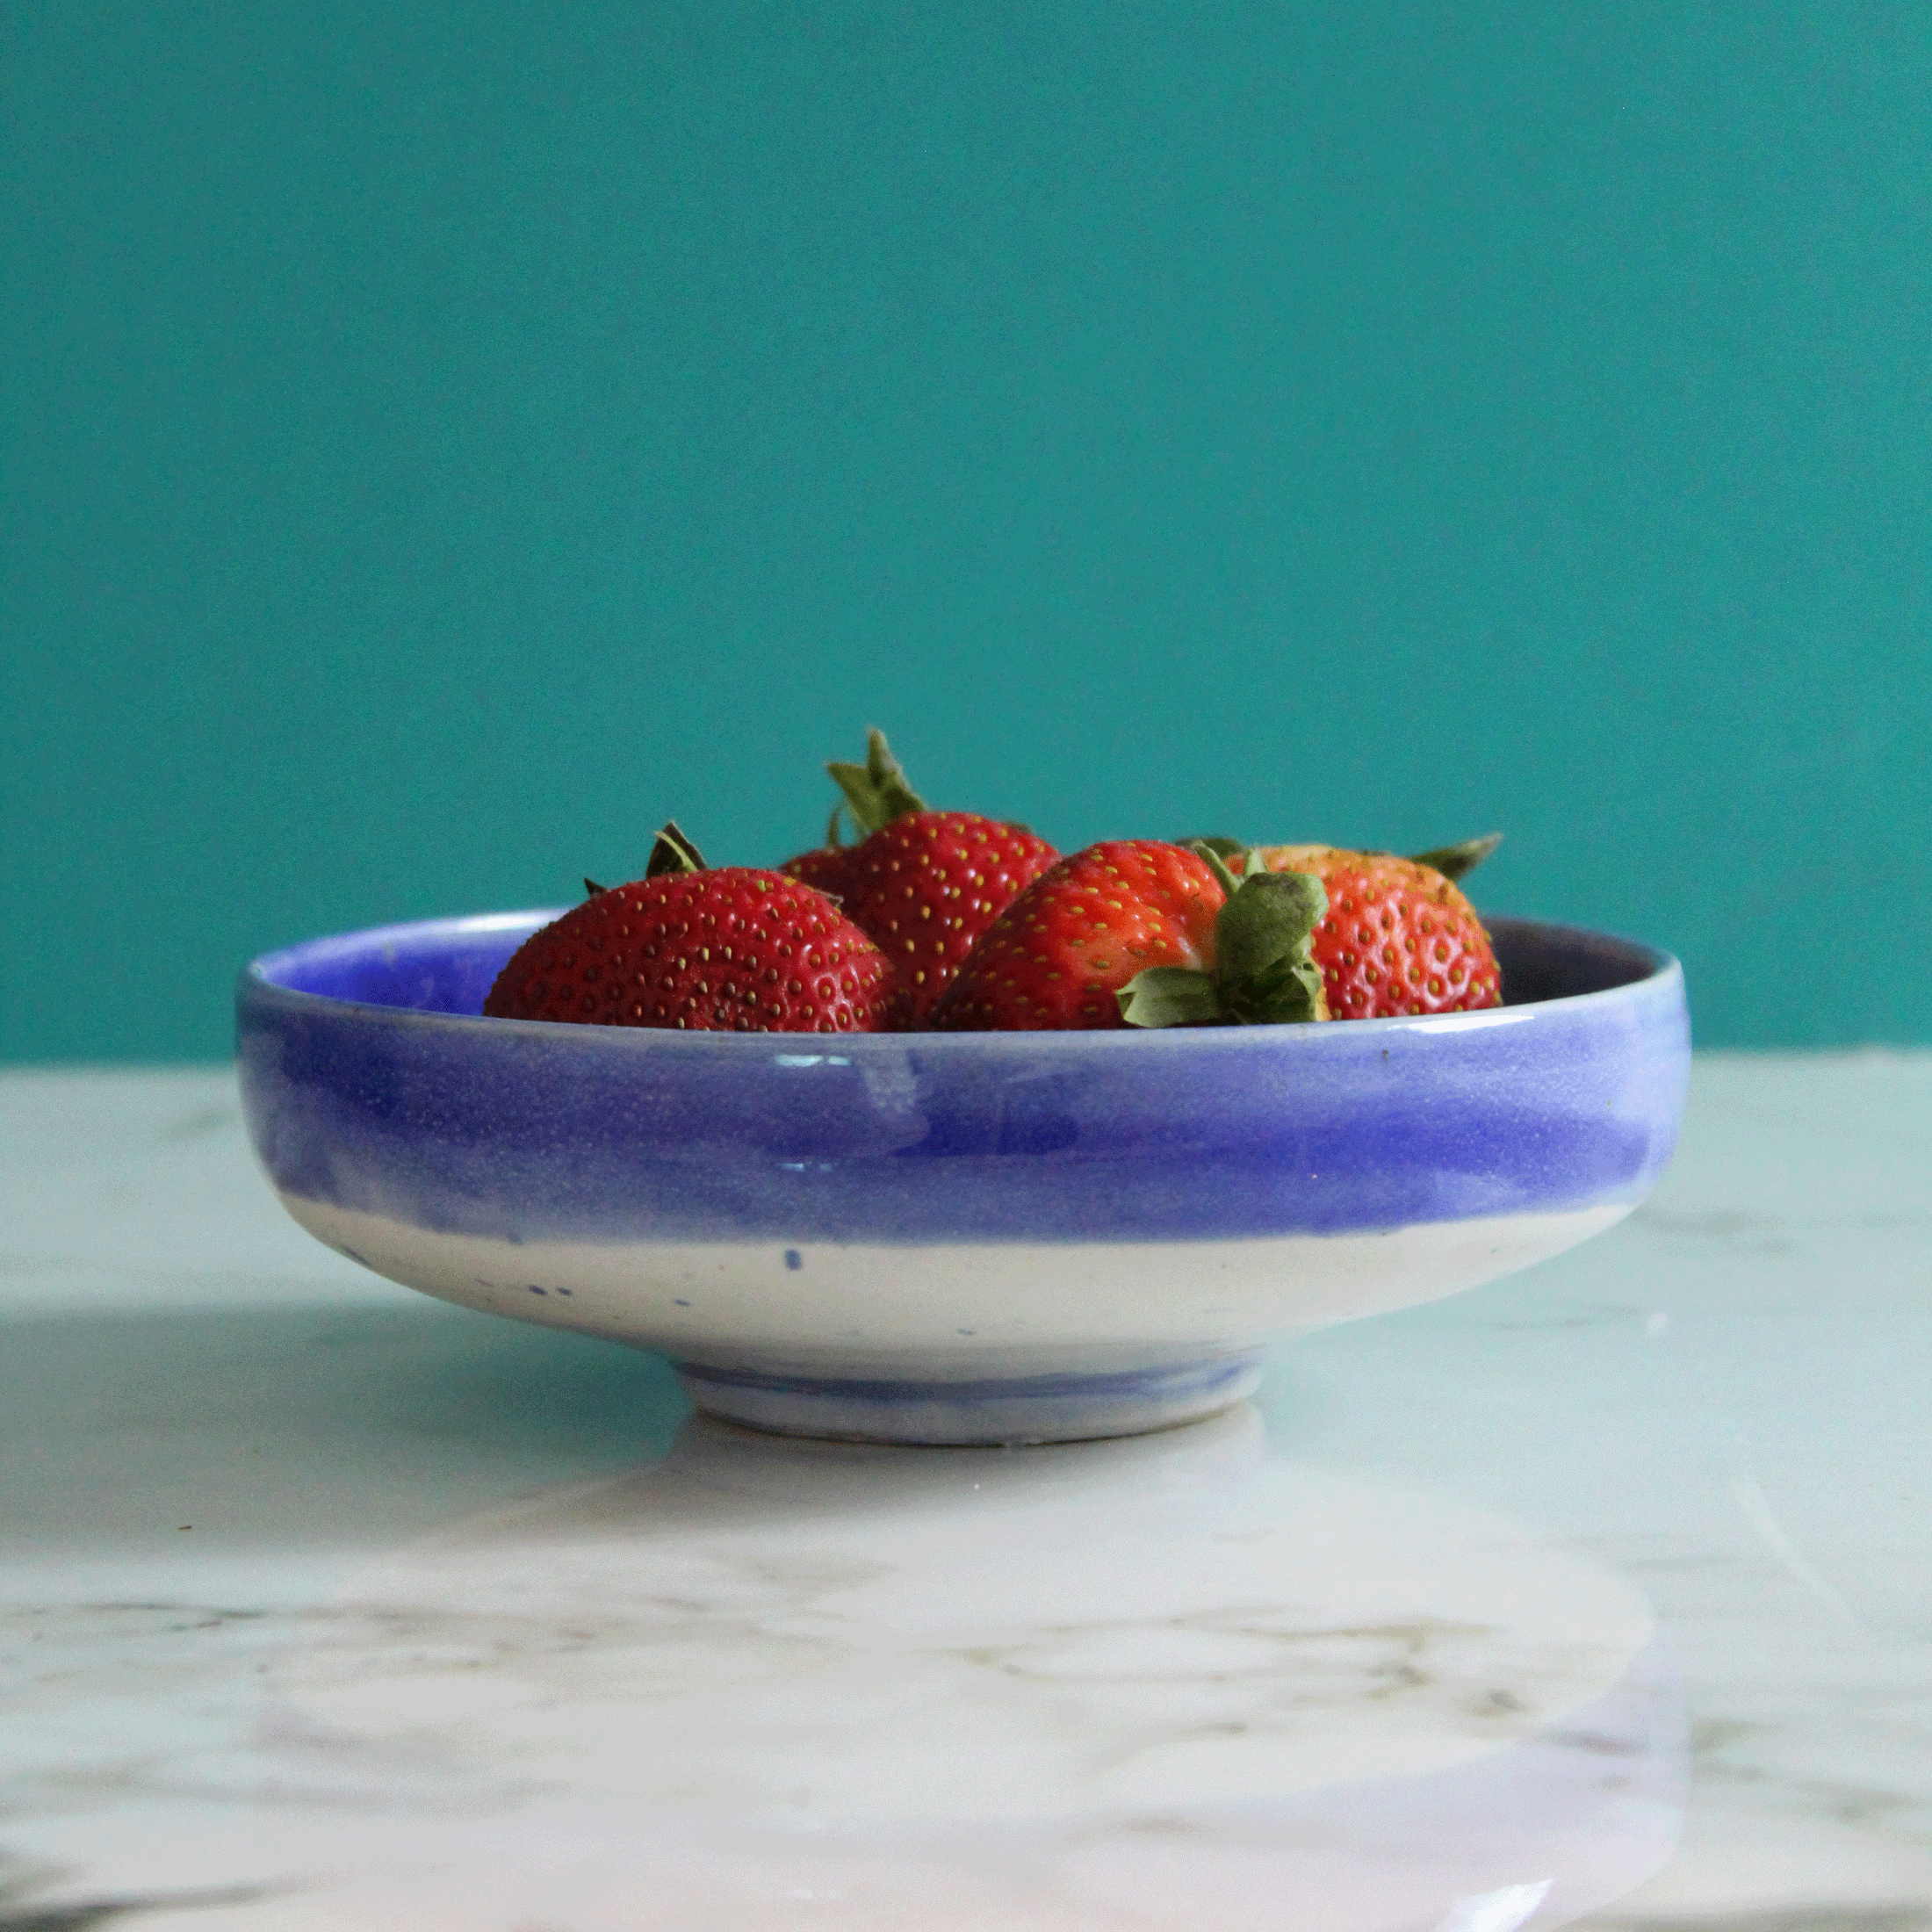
(1598,1596)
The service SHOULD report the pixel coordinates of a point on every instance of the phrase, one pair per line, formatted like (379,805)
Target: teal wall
(441,442)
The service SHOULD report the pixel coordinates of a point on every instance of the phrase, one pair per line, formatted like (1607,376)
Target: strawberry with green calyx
(1138,932)
(1056,958)
(1262,972)
(734,950)
(1399,937)
(923,885)
(875,793)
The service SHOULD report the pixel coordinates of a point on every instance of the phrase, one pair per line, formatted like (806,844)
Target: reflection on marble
(1150,1683)
(306,1586)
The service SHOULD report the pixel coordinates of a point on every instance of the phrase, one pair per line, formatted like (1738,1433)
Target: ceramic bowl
(952,1238)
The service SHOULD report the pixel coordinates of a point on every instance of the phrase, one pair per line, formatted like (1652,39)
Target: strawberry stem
(1216,854)
(876,792)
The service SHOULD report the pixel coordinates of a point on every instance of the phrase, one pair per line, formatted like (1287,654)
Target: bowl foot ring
(1009,1411)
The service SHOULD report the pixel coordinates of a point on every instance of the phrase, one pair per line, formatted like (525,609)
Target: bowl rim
(257,989)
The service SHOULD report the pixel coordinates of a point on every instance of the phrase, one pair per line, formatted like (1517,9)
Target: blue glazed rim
(1650,966)
(529,1130)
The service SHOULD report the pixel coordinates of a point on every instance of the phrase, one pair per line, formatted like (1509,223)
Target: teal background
(441,442)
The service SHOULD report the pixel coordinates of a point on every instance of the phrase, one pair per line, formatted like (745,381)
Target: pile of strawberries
(949,921)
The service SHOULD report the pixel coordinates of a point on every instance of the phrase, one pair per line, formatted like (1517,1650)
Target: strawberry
(1398,937)
(825,869)
(1137,932)
(922,884)
(733,951)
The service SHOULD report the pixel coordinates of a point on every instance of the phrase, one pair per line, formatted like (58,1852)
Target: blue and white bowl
(952,1237)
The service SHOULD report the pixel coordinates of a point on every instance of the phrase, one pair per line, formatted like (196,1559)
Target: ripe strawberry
(1136,933)
(923,885)
(1398,937)
(733,950)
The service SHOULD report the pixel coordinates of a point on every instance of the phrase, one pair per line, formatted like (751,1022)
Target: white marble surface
(323,1605)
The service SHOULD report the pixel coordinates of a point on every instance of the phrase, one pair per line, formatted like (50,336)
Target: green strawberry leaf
(591,889)
(1268,919)
(1169,996)
(1452,862)
(877,791)
(673,853)
(1264,974)
(1287,993)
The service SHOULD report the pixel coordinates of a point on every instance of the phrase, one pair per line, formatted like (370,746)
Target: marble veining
(1086,1683)
(326,1608)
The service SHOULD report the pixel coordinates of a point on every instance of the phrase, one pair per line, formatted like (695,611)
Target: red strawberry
(1398,937)
(733,951)
(828,869)
(923,885)
(1137,932)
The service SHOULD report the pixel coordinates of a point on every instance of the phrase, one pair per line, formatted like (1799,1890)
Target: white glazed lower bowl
(952,1238)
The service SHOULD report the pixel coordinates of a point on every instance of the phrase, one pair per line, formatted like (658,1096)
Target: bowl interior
(448,966)
(434,966)
(1541,961)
